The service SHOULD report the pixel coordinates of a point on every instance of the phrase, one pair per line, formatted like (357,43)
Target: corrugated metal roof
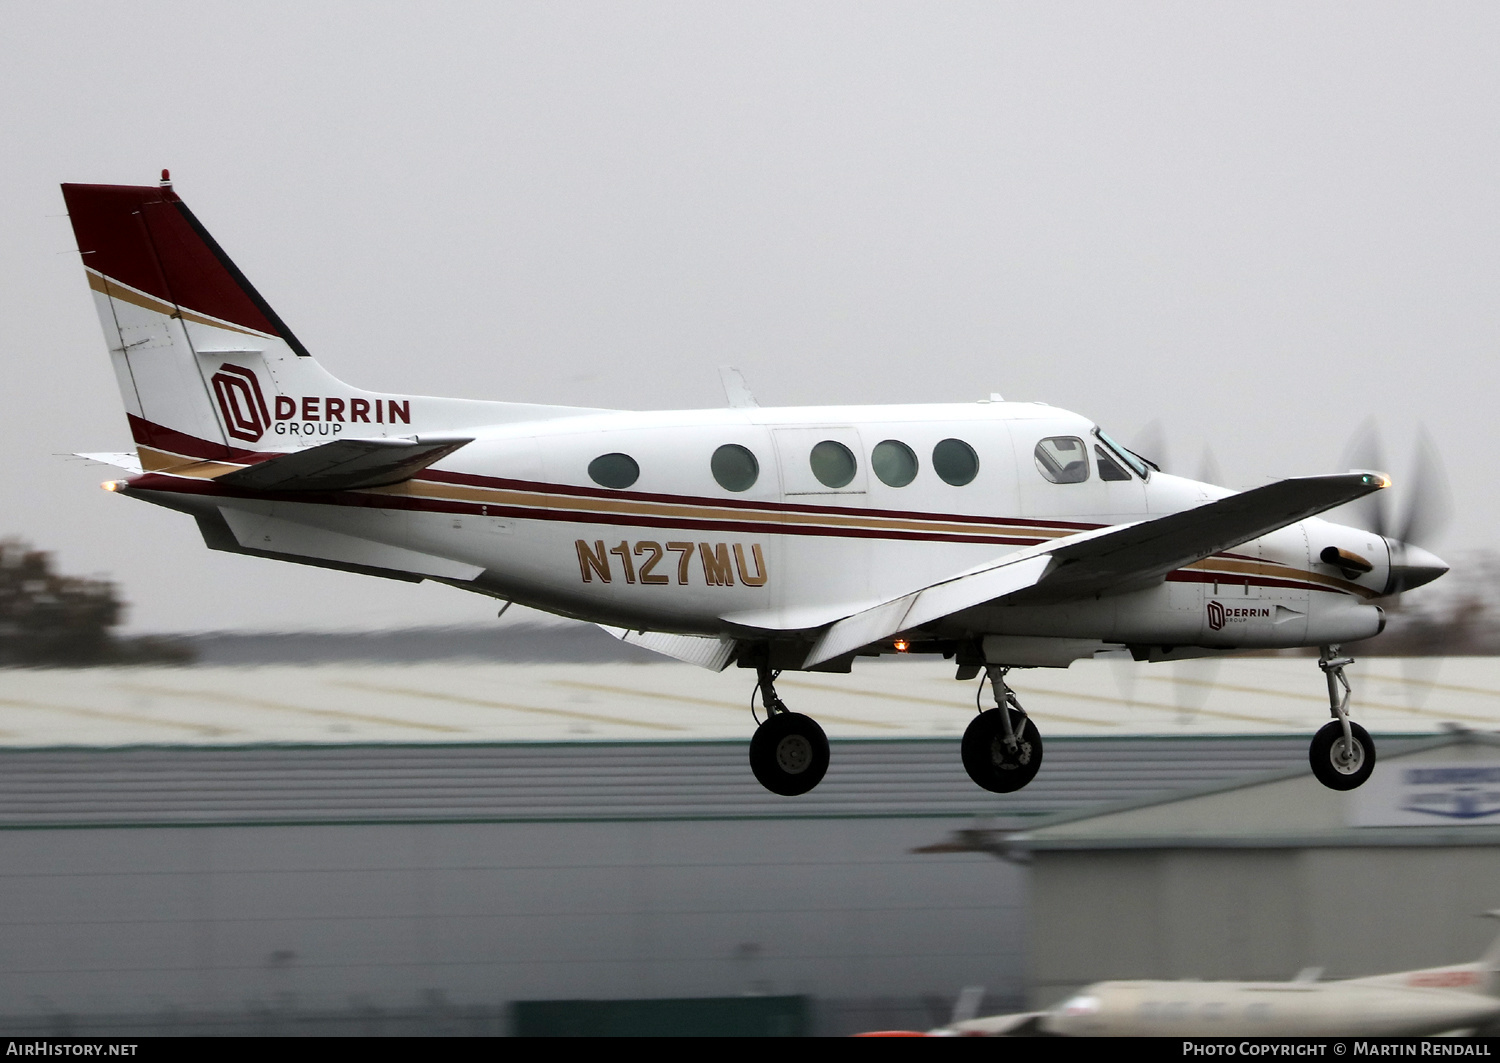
(910,698)
(1275,809)
(606,781)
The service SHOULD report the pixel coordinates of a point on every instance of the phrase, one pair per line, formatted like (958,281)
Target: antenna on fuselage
(736,391)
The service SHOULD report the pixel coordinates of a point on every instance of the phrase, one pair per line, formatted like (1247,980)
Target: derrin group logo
(1220,614)
(242,403)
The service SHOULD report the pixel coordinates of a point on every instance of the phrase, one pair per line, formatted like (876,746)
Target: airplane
(1435,1000)
(997,534)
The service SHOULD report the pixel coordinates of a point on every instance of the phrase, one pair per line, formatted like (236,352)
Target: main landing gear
(1002,748)
(789,751)
(1342,753)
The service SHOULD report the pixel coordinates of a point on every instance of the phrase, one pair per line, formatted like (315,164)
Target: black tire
(1328,764)
(990,764)
(789,754)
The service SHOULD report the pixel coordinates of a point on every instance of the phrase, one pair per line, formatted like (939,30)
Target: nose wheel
(1342,763)
(1342,752)
(1002,748)
(789,751)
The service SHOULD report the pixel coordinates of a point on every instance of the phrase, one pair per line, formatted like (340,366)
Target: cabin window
(1063,459)
(1109,469)
(894,462)
(734,467)
(955,462)
(832,463)
(614,470)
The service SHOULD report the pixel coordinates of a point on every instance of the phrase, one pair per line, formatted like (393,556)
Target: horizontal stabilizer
(129,461)
(345,464)
(1105,560)
(709,653)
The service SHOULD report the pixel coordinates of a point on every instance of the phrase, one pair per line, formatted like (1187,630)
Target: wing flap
(709,653)
(920,607)
(345,464)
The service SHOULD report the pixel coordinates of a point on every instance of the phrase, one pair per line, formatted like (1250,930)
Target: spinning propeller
(1428,506)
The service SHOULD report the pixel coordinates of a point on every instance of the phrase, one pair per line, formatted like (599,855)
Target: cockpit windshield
(1141,466)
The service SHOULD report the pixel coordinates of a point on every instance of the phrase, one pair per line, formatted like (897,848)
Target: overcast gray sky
(1258,224)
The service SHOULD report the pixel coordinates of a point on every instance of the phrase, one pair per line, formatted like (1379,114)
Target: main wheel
(789,754)
(990,763)
(1340,765)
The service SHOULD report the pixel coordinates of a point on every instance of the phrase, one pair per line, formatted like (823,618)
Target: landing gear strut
(789,751)
(1342,753)
(1002,748)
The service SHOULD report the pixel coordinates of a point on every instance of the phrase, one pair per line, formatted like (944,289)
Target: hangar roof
(560,702)
(1443,791)
(455,741)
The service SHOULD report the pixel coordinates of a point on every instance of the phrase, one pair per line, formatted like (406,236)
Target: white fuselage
(518,511)
(1410,1004)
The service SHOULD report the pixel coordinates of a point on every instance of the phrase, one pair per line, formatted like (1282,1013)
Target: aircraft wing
(1103,560)
(345,464)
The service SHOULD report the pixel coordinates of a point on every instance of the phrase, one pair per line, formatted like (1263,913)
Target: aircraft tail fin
(207,370)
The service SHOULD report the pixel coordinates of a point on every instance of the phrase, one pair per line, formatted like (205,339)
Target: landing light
(111,485)
(902,645)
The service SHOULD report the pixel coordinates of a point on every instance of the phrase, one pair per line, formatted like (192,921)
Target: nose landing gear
(789,751)
(1002,748)
(1342,752)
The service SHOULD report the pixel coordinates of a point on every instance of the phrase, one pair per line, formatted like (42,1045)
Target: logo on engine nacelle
(1219,614)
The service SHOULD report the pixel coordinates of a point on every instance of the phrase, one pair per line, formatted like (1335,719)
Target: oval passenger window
(955,462)
(614,470)
(1062,459)
(894,463)
(734,467)
(832,463)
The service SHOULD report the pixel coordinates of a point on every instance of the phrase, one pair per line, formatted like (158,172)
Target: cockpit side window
(1142,466)
(1109,469)
(1062,459)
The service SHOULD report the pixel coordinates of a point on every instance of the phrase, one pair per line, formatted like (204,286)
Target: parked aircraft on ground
(1435,1000)
(998,534)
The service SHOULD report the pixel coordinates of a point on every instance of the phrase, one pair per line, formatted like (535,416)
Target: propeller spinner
(1428,508)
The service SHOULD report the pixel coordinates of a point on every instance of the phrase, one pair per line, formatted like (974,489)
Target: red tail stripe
(144,236)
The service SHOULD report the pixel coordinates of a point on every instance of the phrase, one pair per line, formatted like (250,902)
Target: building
(365,847)
(1258,878)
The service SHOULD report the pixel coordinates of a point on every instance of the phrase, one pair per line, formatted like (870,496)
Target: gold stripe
(628,507)
(153,460)
(115,290)
(164,461)
(1277,570)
